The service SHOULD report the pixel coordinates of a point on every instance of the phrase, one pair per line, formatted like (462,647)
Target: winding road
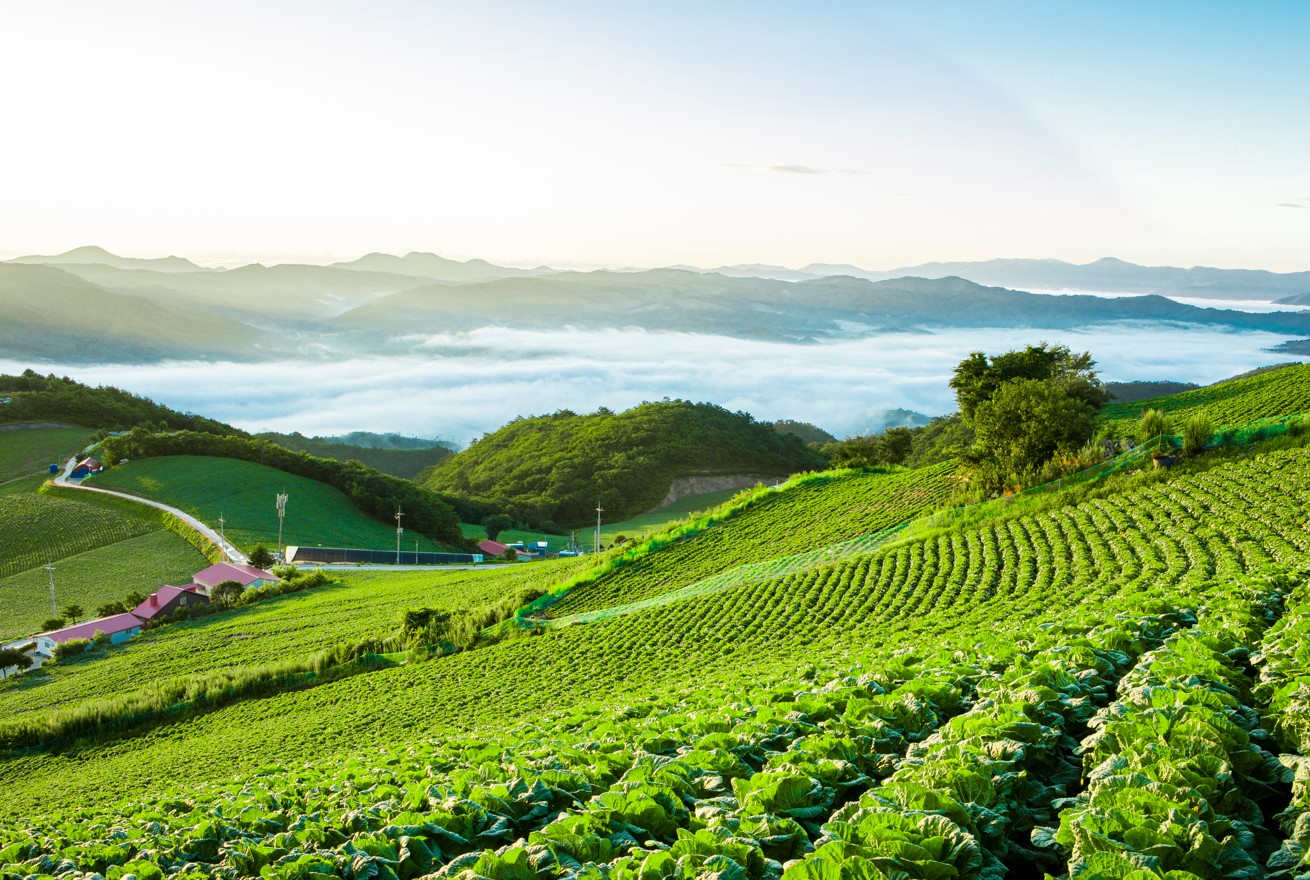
(231,553)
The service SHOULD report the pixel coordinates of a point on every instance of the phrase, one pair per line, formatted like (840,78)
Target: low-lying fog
(458,387)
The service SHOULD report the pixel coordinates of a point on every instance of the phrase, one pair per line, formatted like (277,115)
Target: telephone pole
(399,532)
(281,513)
(222,537)
(598,512)
(54,608)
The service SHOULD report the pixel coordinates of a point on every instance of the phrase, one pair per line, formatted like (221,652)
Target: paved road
(232,553)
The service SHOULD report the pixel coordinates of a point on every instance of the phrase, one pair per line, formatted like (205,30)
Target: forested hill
(555,468)
(406,463)
(32,397)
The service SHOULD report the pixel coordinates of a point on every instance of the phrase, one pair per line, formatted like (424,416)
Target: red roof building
(119,628)
(493,548)
(245,575)
(167,600)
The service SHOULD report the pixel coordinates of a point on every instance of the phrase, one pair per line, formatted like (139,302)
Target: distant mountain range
(1103,276)
(89,305)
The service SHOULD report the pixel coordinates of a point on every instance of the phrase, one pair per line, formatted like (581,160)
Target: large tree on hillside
(1025,407)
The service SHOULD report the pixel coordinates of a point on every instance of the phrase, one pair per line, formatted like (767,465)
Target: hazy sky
(603,133)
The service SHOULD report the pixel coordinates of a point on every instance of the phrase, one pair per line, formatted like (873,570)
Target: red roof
(245,575)
(162,596)
(107,625)
(493,548)
(90,464)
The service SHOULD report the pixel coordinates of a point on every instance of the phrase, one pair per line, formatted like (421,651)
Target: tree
(226,592)
(13,657)
(111,608)
(261,556)
(72,612)
(497,523)
(896,444)
(1026,421)
(977,377)
(52,623)
(1024,407)
(133,598)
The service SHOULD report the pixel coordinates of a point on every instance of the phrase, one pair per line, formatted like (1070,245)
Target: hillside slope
(1279,392)
(1101,571)
(557,469)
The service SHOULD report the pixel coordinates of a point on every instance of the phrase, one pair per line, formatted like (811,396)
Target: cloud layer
(460,386)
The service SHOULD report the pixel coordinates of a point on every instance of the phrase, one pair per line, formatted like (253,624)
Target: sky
(581,134)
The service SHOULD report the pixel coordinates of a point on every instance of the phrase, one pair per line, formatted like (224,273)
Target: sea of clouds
(460,386)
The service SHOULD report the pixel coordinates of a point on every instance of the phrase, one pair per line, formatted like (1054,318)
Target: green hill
(244,494)
(554,469)
(32,397)
(1279,392)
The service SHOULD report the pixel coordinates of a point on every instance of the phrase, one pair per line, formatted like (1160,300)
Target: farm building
(376,557)
(86,467)
(497,549)
(246,575)
(168,600)
(119,628)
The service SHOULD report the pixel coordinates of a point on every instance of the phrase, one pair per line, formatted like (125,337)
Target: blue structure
(54,468)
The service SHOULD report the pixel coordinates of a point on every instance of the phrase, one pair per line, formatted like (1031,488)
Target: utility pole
(54,609)
(399,532)
(222,537)
(281,513)
(598,512)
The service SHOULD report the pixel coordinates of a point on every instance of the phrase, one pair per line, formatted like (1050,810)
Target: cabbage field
(1277,392)
(1103,681)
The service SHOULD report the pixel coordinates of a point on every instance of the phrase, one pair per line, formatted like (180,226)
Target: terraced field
(244,494)
(1275,393)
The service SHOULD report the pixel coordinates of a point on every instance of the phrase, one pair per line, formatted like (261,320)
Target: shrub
(1196,433)
(72,648)
(1152,424)
(52,623)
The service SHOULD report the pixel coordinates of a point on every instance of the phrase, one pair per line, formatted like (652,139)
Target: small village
(165,603)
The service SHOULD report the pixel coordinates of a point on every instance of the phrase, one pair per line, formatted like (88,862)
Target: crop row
(747,785)
(806,516)
(37,528)
(1175,773)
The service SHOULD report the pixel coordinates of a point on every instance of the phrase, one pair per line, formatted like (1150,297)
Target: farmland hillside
(1264,395)
(555,469)
(372,492)
(945,670)
(102,548)
(244,494)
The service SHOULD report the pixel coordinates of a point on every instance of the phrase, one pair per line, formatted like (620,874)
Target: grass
(28,451)
(244,494)
(100,575)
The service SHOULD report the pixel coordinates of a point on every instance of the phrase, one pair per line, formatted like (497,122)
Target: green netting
(771,569)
